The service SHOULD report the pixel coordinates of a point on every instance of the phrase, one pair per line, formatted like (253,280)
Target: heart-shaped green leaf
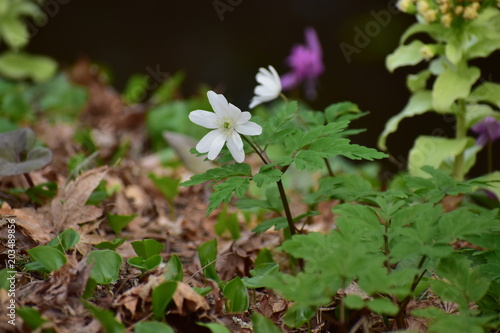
(16,144)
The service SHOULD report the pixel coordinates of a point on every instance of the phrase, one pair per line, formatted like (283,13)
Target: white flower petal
(233,111)
(216,146)
(269,88)
(204,118)
(254,102)
(264,92)
(235,146)
(243,117)
(206,142)
(219,103)
(248,128)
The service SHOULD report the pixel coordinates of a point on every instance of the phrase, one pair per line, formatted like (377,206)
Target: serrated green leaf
(277,222)
(218,174)
(258,273)
(267,174)
(354,302)
(223,192)
(383,306)
(339,110)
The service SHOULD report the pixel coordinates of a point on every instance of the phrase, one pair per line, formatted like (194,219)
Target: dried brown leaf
(68,208)
(187,300)
(31,221)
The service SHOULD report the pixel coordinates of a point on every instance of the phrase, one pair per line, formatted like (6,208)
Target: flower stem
(460,133)
(281,188)
(288,213)
(283,97)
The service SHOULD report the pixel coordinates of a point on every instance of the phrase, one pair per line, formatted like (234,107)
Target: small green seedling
(148,251)
(118,222)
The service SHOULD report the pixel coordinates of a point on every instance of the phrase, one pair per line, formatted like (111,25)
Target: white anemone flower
(228,122)
(269,88)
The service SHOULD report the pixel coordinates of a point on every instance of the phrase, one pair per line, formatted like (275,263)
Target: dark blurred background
(222,43)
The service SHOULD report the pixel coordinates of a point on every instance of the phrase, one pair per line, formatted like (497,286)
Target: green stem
(286,207)
(460,133)
(281,188)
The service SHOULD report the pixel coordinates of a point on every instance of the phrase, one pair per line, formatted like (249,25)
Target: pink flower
(488,130)
(306,63)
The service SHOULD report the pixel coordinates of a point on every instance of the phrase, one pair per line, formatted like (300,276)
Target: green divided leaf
(267,174)
(463,285)
(236,295)
(223,192)
(218,174)
(106,266)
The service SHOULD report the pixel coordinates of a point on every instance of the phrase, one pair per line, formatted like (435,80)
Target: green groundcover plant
(386,250)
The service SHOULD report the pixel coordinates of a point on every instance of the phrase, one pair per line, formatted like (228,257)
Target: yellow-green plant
(450,85)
